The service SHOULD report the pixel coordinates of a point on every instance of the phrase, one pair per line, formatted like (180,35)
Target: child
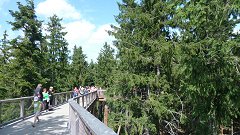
(46,99)
(37,109)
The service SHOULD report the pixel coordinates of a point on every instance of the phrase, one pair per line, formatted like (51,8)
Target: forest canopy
(174,70)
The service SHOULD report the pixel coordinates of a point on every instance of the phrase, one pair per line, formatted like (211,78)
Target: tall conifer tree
(58,52)
(27,57)
(146,81)
(78,67)
(209,65)
(105,67)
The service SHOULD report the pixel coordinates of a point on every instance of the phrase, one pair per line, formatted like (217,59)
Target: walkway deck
(51,123)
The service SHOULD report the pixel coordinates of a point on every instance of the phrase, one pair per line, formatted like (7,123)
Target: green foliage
(105,67)
(209,74)
(146,58)
(57,56)
(90,79)
(31,58)
(25,63)
(176,70)
(184,56)
(78,67)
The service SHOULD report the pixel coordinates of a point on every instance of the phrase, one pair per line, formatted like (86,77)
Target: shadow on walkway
(51,123)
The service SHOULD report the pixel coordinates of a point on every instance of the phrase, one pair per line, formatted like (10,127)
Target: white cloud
(80,32)
(59,7)
(87,35)
(96,41)
(100,34)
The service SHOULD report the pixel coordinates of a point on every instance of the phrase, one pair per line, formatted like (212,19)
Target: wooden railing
(18,108)
(86,100)
(81,121)
(101,96)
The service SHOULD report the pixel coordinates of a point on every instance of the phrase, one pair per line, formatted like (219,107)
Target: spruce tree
(145,83)
(209,74)
(26,63)
(78,67)
(57,53)
(105,67)
(4,61)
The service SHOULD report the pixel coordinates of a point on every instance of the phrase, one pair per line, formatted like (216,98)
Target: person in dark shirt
(38,98)
(38,92)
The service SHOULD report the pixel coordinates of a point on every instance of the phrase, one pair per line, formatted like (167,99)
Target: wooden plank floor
(51,123)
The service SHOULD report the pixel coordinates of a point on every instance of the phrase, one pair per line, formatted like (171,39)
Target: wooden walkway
(51,123)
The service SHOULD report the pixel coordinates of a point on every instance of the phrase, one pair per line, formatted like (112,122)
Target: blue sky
(86,21)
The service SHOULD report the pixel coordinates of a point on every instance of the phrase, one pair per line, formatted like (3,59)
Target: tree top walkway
(67,118)
(51,123)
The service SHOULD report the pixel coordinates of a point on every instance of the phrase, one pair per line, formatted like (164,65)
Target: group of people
(43,100)
(83,90)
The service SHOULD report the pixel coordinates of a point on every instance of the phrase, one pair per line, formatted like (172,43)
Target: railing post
(83,101)
(61,99)
(22,108)
(55,99)
(89,99)
(105,115)
(66,98)
(78,99)
(0,114)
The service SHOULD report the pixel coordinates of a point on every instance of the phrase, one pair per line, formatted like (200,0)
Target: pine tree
(145,82)
(209,75)
(4,48)
(58,53)
(4,61)
(26,63)
(105,67)
(91,79)
(78,67)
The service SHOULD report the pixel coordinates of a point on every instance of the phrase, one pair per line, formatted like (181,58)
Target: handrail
(86,99)
(14,99)
(83,122)
(16,108)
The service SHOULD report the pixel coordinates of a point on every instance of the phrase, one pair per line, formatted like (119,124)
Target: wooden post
(0,114)
(89,99)
(83,101)
(105,115)
(78,99)
(22,108)
(221,128)
(119,129)
(66,98)
(55,100)
(61,99)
